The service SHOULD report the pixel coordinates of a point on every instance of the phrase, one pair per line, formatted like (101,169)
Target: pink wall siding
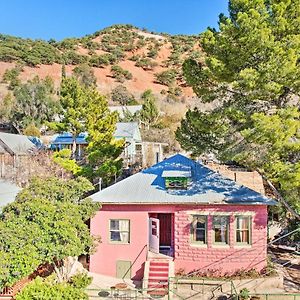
(105,259)
(187,256)
(221,259)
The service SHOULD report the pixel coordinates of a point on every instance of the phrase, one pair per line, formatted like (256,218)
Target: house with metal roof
(129,131)
(183,215)
(14,149)
(16,144)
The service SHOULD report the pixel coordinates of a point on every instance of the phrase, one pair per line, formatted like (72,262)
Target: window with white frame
(198,229)
(243,229)
(221,229)
(119,231)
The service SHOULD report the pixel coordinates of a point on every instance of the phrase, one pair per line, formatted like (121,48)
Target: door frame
(153,235)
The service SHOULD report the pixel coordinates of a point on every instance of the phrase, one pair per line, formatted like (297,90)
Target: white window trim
(198,243)
(109,231)
(243,245)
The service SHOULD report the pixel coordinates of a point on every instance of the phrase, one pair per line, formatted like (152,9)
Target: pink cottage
(178,214)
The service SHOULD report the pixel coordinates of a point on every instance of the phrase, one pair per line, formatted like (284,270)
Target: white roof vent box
(177,173)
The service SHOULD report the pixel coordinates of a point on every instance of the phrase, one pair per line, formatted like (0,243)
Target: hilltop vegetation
(121,61)
(120,49)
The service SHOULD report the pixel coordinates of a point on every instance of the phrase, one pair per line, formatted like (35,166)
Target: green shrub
(73,58)
(244,294)
(167,77)
(120,74)
(11,76)
(41,290)
(100,61)
(67,44)
(146,63)
(118,53)
(80,281)
(32,130)
(32,52)
(135,57)
(85,75)
(90,44)
(140,43)
(152,53)
(121,94)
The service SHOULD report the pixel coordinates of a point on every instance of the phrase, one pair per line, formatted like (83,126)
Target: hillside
(141,53)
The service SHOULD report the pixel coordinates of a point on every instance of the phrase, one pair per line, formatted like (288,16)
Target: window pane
(124,237)
(124,225)
(114,224)
(220,227)
(200,236)
(242,223)
(199,229)
(200,225)
(115,236)
(119,231)
(242,236)
(243,229)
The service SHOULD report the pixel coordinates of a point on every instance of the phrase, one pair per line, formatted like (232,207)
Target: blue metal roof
(36,141)
(66,138)
(124,130)
(206,187)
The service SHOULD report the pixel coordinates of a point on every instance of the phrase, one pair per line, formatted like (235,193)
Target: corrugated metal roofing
(206,187)
(127,130)
(66,138)
(8,192)
(16,144)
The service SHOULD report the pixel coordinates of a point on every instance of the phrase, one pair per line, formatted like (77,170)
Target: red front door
(165,224)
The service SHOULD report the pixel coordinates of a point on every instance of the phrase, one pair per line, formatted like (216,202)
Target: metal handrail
(145,246)
(266,295)
(281,237)
(203,279)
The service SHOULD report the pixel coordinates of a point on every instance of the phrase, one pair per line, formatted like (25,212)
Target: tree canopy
(86,110)
(149,113)
(33,102)
(251,75)
(45,224)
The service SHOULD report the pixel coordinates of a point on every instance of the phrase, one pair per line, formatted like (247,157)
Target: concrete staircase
(158,274)
(158,269)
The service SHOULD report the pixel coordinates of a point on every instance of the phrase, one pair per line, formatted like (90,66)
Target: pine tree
(252,70)
(149,113)
(86,110)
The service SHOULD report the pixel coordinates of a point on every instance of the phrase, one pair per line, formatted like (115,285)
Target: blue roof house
(129,131)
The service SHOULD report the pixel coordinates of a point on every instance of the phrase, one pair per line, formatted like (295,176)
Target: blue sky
(75,18)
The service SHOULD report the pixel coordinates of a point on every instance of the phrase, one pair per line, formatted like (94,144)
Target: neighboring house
(65,141)
(152,153)
(8,192)
(125,110)
(16,144)
(178,214)
(129,131)
(14,148)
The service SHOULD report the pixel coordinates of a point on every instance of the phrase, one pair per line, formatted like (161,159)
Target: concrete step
(159,275)
(158,269)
